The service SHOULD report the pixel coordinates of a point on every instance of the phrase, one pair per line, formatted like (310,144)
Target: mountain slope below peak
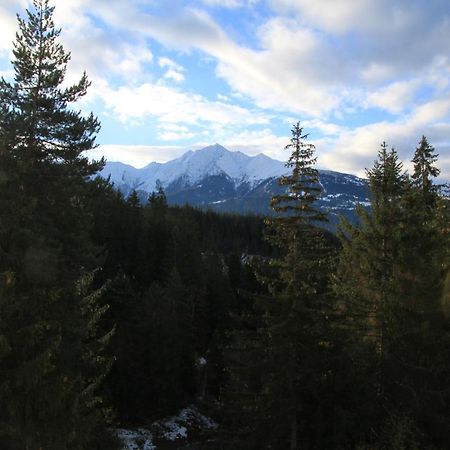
(217,178)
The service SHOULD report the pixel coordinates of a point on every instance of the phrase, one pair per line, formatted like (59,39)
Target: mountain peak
(215,147)
(193,166)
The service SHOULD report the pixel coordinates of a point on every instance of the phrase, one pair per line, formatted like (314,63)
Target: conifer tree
(423,244)
(290,337)
(370,249)
(424,171)
(373,242)
(422,267)
(302,333)
(392,285)
(53,364)
(158,200)
(39,123)
(45,136)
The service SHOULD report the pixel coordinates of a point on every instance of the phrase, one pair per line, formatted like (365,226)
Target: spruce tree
(53,366)
(289,340)
(422,267)
(423,246)
(302,333)
(424,171)
(369,251)
(391,277)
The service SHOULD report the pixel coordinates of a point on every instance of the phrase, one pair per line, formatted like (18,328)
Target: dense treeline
(113,311)
(174,276)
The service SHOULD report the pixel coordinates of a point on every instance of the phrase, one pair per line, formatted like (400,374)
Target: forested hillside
(116,313)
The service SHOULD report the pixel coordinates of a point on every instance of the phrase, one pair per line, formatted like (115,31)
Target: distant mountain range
(226,181)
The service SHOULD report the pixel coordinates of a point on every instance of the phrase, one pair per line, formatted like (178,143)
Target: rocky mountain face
(226,181)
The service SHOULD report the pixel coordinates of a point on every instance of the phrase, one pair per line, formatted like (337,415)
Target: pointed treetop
(424,160)
(302,184)
(386,178)
(38,122)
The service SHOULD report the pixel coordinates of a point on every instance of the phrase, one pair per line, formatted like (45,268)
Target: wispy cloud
(174,71)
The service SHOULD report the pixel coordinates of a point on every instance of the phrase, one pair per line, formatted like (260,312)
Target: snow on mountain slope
(194,166)
(225,181)
(122,174)
(262,167)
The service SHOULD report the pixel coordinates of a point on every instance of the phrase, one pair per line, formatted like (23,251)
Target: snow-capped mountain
(217,178)
(194,166)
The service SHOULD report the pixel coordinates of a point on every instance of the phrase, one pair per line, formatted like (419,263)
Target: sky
(173,75)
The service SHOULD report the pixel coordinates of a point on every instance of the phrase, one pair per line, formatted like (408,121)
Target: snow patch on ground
(170,429)
(140,439)
(192,415)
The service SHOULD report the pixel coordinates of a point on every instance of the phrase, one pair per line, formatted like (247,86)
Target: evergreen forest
(115,313)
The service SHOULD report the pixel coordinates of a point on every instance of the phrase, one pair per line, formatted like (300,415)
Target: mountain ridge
(195,165)
(226,181)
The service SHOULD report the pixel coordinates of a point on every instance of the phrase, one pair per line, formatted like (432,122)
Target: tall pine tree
(283,382)
(391,275)
(52,365)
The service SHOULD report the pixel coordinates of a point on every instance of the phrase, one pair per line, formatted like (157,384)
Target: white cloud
(282,75)
(223,98)
(95,51)
(341,16)
(230,3)
(336,16)
(174,132)
(395,97)
(376,72)
(171,136)
(171,105)
(254,142)
(326,128)
(224,3)
(171,74)
(298,68)
(167,62)
(355,149)
(293,67)
(175,70)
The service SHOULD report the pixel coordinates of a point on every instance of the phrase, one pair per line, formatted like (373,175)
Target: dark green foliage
(156,352)
(424,172)
(170,298)
(391,274)
(302,183)
(286,387)
(158,201)
(38,123)
(52,364)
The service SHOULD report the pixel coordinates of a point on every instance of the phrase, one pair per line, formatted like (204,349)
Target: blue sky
(172,75)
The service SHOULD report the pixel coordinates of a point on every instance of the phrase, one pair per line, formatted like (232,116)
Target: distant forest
(115,313)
